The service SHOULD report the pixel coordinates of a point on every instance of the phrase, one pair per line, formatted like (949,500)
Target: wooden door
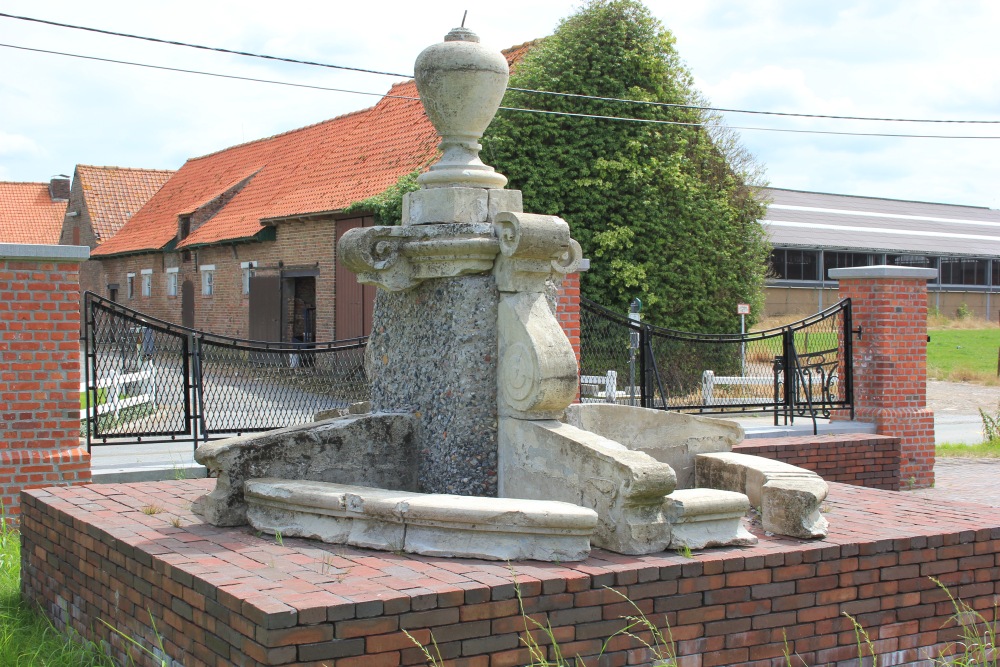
(355,303)
(265,307)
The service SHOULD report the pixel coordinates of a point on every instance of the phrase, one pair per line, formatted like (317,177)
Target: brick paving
(964,480)
(301,572)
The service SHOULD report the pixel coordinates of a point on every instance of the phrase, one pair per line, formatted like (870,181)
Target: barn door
(187,304)
(265,307)
(354,302)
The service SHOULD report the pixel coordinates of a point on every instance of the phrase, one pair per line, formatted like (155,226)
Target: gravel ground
(961,397)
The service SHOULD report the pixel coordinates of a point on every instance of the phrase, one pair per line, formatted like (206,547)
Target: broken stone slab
(789,497)
(702,518)
(669,437)
(427,524)
(372,449)
(550,460)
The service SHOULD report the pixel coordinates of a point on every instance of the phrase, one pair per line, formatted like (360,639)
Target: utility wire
(199,46)
(522,90)
(194,71)
(518,109)
(765,113)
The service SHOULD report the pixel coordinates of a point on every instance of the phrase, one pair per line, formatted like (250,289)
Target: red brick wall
(39,377)
(890,367)
(858,459)
(568,310)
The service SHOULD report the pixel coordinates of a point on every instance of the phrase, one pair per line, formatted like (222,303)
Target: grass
(964,355)
(102,397)
(26,637)
(984,450)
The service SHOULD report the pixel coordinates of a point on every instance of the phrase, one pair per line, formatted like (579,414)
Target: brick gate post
(889,303)
(40,369)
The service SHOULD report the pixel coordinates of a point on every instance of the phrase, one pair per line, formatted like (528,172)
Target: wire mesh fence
(147,380)
(802,369)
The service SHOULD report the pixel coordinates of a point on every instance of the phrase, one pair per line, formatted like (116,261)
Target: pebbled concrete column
(889,303)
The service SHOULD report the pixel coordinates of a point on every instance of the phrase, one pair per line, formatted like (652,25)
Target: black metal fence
(802,369)
(148,380)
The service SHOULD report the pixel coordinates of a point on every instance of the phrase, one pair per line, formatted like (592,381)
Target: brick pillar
(40,369)
(889,303)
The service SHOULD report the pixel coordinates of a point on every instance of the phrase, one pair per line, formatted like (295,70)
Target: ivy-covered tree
(665,210)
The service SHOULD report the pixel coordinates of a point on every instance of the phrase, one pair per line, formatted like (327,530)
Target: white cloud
(896,58)
(15,144)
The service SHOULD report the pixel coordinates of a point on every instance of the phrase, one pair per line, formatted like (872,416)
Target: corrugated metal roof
(29,215)
(813,219)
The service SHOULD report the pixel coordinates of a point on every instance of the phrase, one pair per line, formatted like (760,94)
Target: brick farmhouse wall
(39,370)
(297,245)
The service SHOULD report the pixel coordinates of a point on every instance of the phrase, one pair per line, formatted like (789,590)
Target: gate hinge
(858,332)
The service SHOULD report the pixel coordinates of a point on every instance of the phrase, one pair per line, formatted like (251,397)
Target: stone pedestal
(889,303)
(432,353)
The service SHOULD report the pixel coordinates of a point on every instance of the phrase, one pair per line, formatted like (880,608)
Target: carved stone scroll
(397,258)
(532,249)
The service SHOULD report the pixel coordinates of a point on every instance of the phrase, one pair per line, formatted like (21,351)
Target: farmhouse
(101,201)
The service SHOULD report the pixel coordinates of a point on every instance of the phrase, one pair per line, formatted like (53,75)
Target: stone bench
(427,524)
(787,496)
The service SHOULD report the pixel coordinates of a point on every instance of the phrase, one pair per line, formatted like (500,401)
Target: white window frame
(172,281)
(247,272)
(147,283)
(130,286)
(207,279)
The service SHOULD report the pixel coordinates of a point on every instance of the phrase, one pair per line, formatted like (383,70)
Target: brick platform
(227,596)
(860,459)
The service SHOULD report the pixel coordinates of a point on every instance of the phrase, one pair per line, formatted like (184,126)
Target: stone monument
(472,385)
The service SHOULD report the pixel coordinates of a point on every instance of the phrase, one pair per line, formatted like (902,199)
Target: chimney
(59,188)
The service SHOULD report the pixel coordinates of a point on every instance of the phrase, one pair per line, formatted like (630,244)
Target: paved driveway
(965,480)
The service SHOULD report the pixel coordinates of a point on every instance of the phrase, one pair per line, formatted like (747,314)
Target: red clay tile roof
(28,214)
(114,194)
(321,168)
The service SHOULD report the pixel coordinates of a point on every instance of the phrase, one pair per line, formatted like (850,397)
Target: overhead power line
(199,46)
(310,63)
(518,109)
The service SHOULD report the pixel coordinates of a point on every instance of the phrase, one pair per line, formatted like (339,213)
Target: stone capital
(398,258)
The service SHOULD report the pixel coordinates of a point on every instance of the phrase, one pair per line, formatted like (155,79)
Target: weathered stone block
(701,518)
(442,205)
(377,450)
(549,460)
(670,437)
(789,497)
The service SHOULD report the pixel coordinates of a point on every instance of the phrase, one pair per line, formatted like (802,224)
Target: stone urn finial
(461,84)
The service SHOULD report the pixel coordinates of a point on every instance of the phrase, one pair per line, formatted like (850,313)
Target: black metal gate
(802,369)
(147,380)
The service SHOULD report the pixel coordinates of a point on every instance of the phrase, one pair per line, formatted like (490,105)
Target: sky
(909,59)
